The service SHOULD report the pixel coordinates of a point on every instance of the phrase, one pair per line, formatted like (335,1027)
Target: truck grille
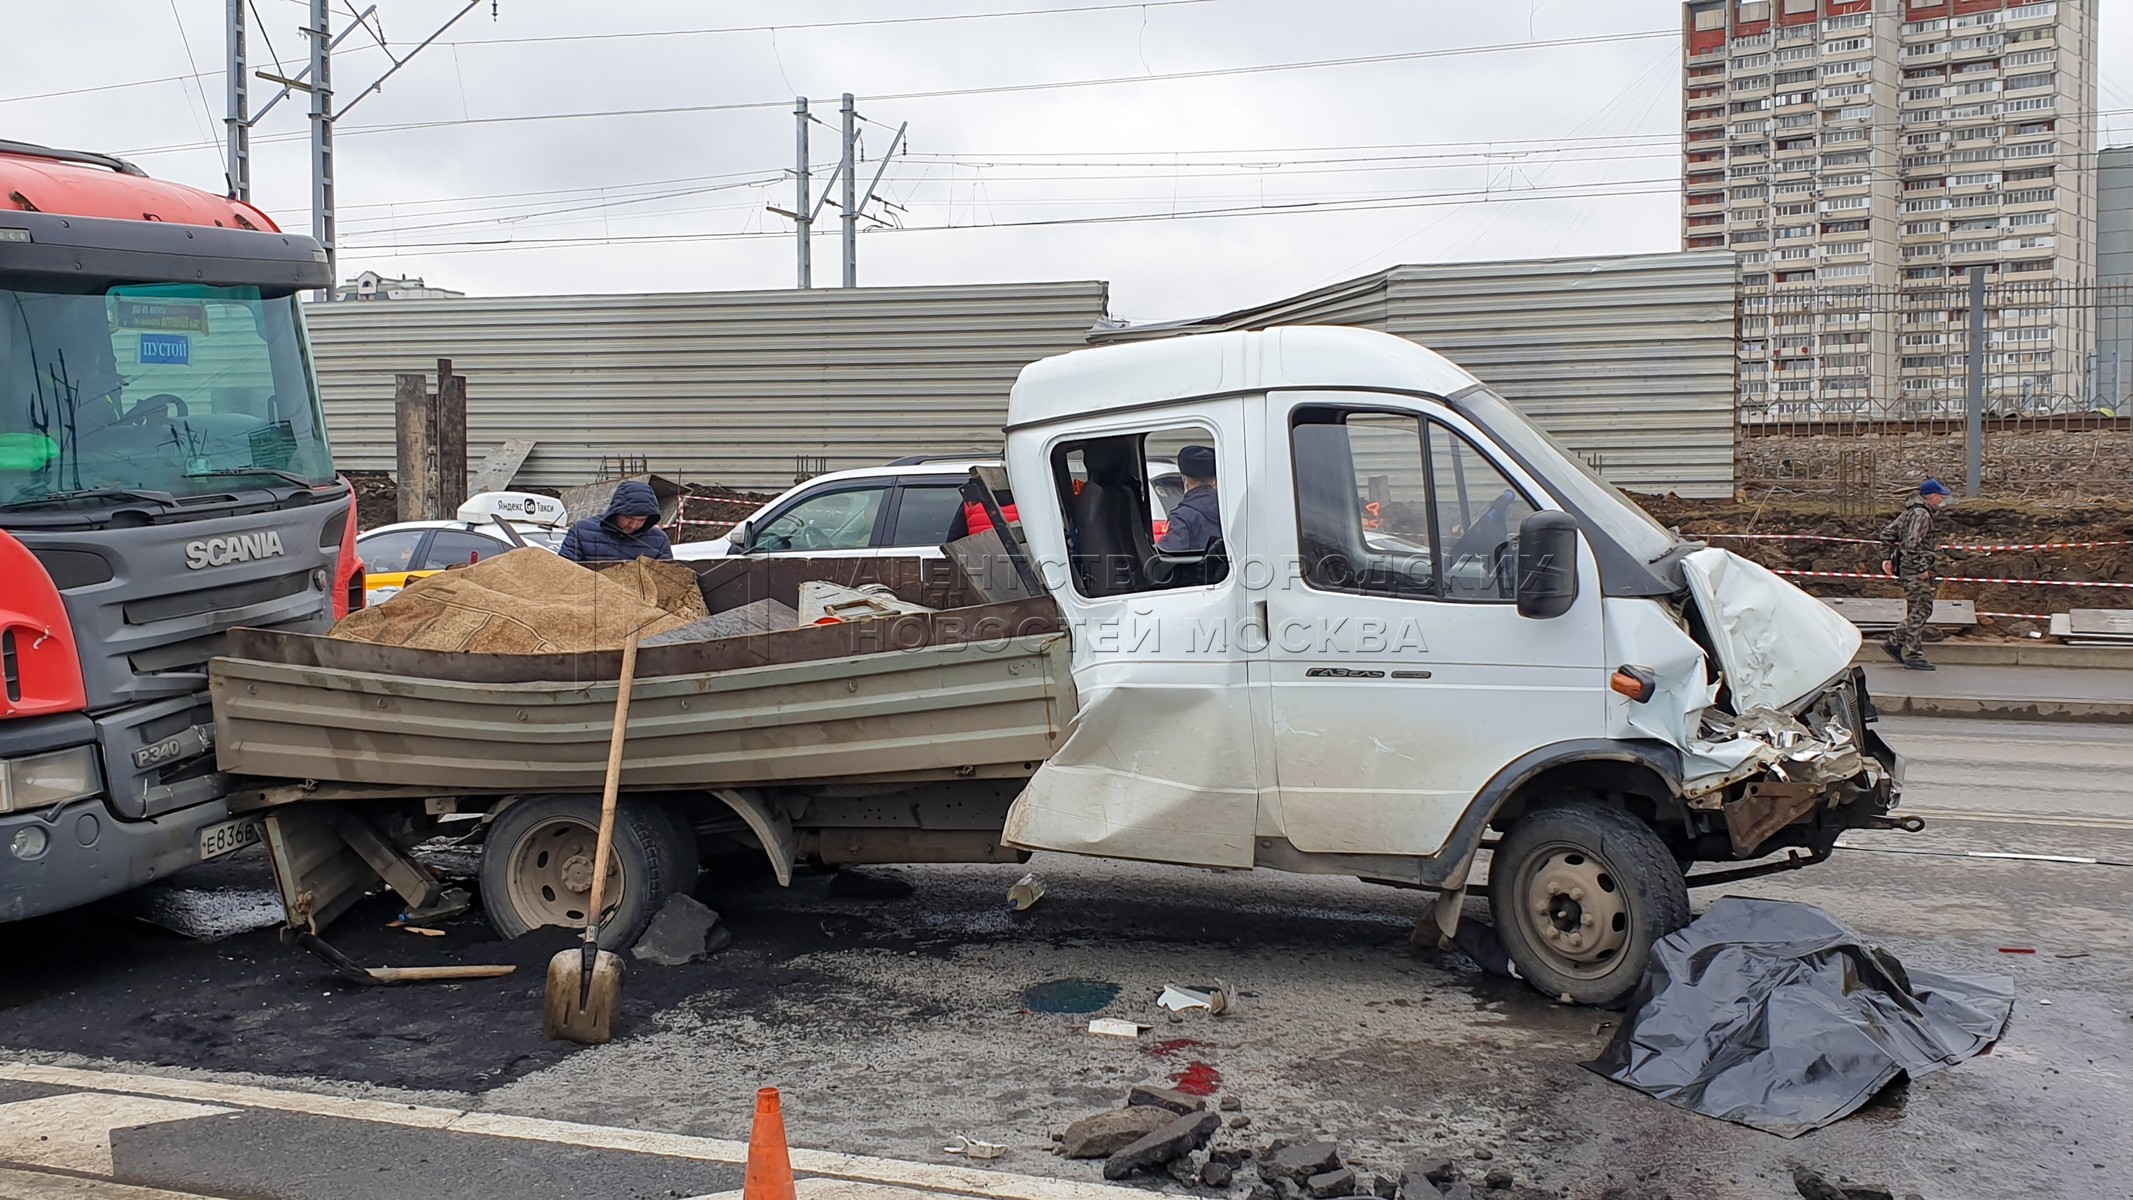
(206,600)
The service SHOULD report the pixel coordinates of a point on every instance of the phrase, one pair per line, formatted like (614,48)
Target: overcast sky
(1533,150)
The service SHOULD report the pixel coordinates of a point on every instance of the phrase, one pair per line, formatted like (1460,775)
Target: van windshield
(179,389)
(1577,485)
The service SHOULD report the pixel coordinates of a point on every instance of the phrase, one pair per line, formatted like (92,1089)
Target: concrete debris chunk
(1460,1190)
(1113,1027)
(1147,1096)
(1181,1136)
(1240,1122)
(1498,1180)
(1107,1133)
(1216,1174)
(683,932)
(1811,1186)
(1384,1187)
(1230,1104)
(1298,1162)
(1338,1182)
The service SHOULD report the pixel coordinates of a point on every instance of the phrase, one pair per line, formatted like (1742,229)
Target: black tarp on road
(1778,1016)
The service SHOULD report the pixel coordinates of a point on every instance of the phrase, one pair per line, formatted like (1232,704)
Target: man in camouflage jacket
(1908,552)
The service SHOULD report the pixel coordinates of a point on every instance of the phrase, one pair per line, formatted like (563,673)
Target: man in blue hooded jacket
(627,531)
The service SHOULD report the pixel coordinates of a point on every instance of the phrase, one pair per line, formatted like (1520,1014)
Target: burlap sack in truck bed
(530,601)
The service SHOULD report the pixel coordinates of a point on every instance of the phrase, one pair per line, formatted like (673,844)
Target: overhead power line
(1618,188)
(794,26)
(786,27)
(1012,88)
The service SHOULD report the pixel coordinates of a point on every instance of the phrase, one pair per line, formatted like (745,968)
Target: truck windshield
(178,389)
(1576,484)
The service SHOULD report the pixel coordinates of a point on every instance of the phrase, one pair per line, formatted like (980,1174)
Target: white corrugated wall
(1628,360)
(716,387)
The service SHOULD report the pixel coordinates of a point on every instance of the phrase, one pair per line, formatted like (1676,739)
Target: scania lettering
(164,477)
(214,552)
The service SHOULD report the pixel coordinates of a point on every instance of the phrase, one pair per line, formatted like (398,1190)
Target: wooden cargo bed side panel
(945,709)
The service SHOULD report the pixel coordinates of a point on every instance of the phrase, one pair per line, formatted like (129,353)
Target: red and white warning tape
(1852,541)
(1957,579)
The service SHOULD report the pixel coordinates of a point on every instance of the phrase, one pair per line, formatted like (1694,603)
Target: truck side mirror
(1547,564)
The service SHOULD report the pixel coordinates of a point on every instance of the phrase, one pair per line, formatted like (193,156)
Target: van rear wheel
(1580,894)
(536,865)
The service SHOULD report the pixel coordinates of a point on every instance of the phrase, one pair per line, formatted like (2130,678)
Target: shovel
(356,972)
(585,984)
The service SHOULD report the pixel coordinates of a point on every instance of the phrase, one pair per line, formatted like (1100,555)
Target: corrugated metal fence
(1627,360)
(718,387)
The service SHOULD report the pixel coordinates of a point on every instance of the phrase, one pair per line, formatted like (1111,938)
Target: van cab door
(1161,761)
(1398,675)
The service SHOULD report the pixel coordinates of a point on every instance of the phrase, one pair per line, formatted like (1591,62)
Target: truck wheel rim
(1577,911)
(551,873)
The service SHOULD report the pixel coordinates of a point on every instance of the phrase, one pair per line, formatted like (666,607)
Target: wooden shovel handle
(613,786)
(417,974)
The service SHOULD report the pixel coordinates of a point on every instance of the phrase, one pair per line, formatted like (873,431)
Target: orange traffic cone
(769,1166)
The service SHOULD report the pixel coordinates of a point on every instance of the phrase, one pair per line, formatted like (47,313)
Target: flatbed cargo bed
(976,690)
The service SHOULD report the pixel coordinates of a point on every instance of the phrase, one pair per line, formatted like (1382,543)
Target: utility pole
(808,205)
(803,210)
(237,122)
(317,80)
(851,194)
(322,114)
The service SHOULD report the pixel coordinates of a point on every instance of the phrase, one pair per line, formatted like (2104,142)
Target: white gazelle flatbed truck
(1426,631)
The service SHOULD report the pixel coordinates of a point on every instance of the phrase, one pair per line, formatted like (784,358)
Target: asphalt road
(893,1026)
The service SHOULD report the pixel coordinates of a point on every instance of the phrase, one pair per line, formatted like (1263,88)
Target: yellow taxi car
(393,555)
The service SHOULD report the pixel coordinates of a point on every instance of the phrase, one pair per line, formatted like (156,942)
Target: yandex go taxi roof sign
(525,507)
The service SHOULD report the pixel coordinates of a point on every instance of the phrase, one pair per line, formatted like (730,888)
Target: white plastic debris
(1113,1027)
(1027,891)
(971,1147)
(1178,999)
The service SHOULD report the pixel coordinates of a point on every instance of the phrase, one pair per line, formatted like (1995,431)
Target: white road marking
(73,1133)
(839,1189)
(961,1181)
(33,1185)
(2015,818)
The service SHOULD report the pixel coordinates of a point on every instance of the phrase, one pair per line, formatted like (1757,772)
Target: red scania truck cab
(164,477)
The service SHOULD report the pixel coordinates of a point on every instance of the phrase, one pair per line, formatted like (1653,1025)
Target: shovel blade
(592,1022)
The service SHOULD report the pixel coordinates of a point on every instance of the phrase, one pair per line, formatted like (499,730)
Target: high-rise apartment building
(1861,156)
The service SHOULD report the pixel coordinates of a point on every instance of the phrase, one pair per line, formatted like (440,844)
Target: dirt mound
(531,602)
(1972,522)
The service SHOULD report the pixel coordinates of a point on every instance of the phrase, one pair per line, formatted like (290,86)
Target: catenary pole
(236,121)
(851,195)
(803,220)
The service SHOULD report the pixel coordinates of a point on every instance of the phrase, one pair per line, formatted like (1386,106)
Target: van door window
(1390,504)
(841,520)
(1122,536)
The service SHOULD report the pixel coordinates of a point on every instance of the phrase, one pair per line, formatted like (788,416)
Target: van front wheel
(1580,894)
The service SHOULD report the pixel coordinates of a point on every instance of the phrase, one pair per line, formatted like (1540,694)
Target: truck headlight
(42,780)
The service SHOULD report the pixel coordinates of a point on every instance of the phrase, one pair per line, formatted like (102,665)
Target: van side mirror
(1547,565)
